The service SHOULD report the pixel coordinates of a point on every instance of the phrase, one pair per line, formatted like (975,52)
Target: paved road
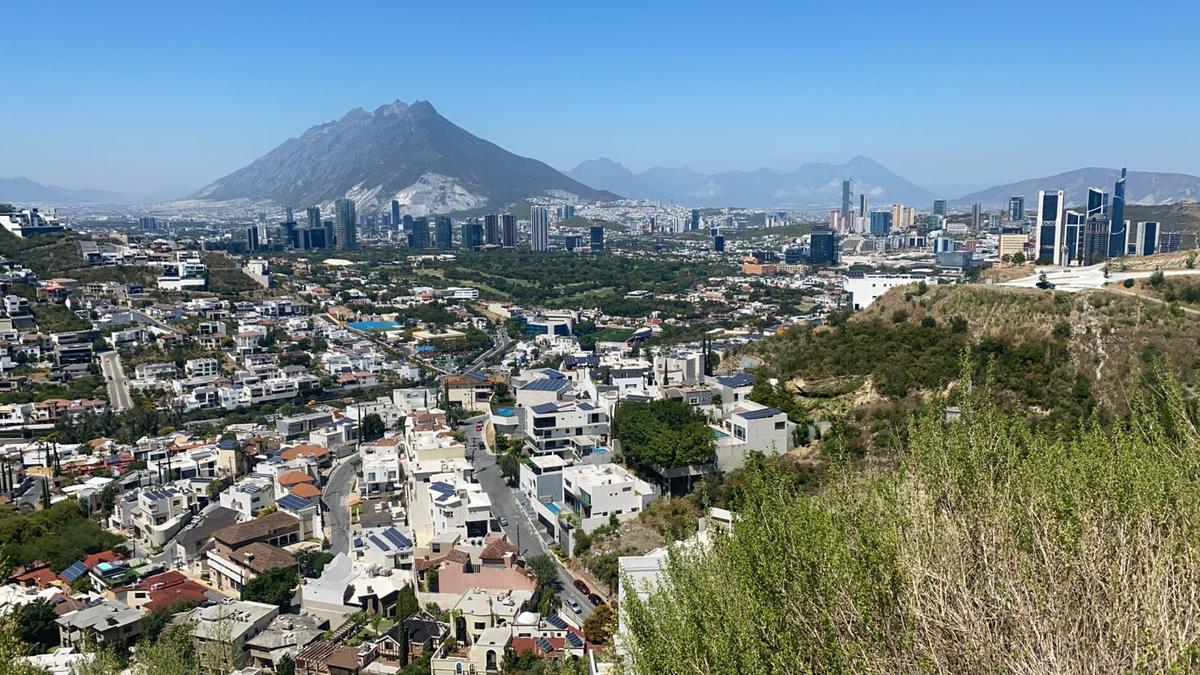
(1074,279)
(501,343)
(118,385)
(337,489)
(520,530)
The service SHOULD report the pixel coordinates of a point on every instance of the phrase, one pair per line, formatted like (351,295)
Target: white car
(574,605)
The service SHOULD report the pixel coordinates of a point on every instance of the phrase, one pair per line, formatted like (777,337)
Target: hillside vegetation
(988,547)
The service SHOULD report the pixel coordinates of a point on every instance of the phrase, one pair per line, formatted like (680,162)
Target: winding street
(334,494)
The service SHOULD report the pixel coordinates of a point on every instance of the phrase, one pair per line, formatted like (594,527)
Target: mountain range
(24,191)
(1147,188)
(405,152)
(810,185)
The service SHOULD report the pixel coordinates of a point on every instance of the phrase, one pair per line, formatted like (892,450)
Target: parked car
(503,521)
(582,587)
(574,606)
(595,599)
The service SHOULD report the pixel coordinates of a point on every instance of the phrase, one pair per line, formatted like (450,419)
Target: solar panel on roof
(358,542)
(574,640)
(759,414)
(444,488)
(556,621)
(544,408)
(292,502)
(544,645)
(76,570)
(378,543)
(393,535)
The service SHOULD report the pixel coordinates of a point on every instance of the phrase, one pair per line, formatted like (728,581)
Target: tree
(600,625)
(285,666)
(312,562)
(544,569)
(1018,258)
(510,467)
(273,587)
(372,427)
(36,626)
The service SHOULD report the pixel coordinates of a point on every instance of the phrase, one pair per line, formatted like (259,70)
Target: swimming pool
(718,434)
(372,325)
(505,412)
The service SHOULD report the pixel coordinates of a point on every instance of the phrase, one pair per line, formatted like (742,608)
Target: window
(780,425)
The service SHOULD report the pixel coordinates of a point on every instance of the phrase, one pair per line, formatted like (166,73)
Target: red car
(582,587)
(478,427)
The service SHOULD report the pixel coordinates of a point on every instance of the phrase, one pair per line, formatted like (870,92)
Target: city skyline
(910,88)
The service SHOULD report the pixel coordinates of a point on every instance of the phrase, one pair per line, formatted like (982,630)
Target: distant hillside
(1141,187)
(408,153)
(21,190)
(810,185)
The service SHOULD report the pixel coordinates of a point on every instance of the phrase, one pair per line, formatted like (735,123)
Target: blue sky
(140,96)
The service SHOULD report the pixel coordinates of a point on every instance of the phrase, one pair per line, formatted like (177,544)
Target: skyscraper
(845,212)
(1097,202)
(1147,238)
(695,222)
(822,246)
(314,217)
(330,233)
(418,236)
(862,205)
(939,207)
(976,215)
(472,235)
(881,223)
(539,228)
(1117,226)
(718,242)
(252,238)
(508,224)
(596,240)
(1016,208)
(287,215)
(443,233)
(346,232)
(491,229)
(1049,225)
(395,213)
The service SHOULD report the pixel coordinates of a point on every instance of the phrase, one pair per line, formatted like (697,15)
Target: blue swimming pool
(505,412)
(372,325)
(718,434)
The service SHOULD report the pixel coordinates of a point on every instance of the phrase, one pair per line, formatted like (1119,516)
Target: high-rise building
(565,211)
(346,233)
(596,238)
(881,223)
(287,215)
(1170,242)
(862,205)
(1147,238)
(252,238)
(845,212)
(418,235)
(491,229)
(330,233)
(1097,203)
(1074,238)
(1016,208)
(822,247)
(395,213)
(1117,228)
(718,242)
(314,217)
(443,233)
(573,242)
(1049,225)
(314,238)
(939,207)
(539,228)
(406,225)
(695,222)
(508,227)
(1095,240)
(835,220)
(976,215)
(472,235)
(291,235)
(148,223)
